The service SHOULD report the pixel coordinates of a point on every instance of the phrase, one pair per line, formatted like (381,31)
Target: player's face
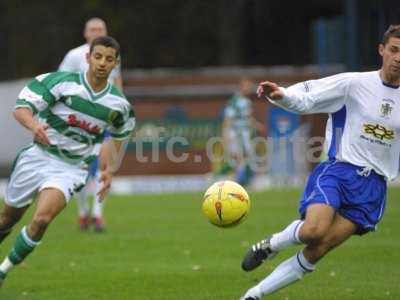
(246,87)
(391,58)
(94,29)
(102,61)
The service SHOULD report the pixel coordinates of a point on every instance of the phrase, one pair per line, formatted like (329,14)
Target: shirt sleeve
(36,96)
(43,91)
(326,95)
(123,123)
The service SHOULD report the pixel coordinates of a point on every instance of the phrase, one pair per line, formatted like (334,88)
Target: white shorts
(240,143)
(35,170)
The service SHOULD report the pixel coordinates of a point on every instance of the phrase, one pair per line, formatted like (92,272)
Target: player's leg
(340,231)
(82,202)
(8,218)
(247,168)
(314,207)
(51,202)
(294,268)
(22,186)
(318,219)
(232,149)
(98,207)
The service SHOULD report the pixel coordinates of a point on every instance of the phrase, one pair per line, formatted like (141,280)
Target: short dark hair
(106,41)
(392,31)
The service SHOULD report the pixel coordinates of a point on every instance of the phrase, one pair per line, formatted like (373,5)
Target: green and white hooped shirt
(239,109)
(76,115)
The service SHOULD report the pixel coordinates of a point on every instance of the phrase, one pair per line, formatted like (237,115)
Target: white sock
(6,265)
(82,202)
(288,272)
(97,209)
(287,237)
(253,292)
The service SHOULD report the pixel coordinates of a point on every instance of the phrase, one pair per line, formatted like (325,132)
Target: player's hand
(105,179)
(40,135)
(270,90)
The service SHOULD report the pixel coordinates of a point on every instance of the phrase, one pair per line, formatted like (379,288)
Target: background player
(75,61)
(74,111)
(346,194)
(237,130)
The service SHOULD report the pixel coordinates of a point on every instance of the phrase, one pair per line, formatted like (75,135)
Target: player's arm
(37,96)
(315,96)
(111,155)
(26,118)
(258,126)
(113,150)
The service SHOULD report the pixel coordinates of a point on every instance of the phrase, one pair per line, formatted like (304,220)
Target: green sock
(225,168)
(23,246)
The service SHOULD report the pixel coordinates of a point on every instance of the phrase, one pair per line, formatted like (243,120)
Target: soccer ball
(226,203)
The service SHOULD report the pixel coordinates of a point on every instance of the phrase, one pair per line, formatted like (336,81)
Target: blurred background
(182,61)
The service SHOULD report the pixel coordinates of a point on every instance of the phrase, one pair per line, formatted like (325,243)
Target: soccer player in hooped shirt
(346,194)
(74,110)
(75,61)
(237,130)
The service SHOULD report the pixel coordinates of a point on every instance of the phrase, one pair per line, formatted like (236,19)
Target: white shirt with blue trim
(364,117)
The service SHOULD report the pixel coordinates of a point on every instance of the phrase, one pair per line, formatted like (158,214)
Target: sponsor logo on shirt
(378,131)
(85,125)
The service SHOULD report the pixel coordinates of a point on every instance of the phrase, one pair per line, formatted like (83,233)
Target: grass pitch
(162,248)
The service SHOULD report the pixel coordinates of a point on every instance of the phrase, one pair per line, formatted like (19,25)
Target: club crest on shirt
(386,110)
(112,116)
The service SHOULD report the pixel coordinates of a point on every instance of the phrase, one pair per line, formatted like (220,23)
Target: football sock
(97,210)
(289,236)
(288,272)
(82,202)
(6,265)
(225,169)
(23,246)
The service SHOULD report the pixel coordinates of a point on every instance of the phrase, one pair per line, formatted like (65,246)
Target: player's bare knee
(311,233)
(41,222)
(6,226)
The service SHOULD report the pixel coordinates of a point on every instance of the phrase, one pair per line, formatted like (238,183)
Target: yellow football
(226,203)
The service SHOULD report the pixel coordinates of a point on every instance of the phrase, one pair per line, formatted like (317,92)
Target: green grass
(161,248)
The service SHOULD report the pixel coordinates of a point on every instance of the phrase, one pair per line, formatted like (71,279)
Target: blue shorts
(358,198)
